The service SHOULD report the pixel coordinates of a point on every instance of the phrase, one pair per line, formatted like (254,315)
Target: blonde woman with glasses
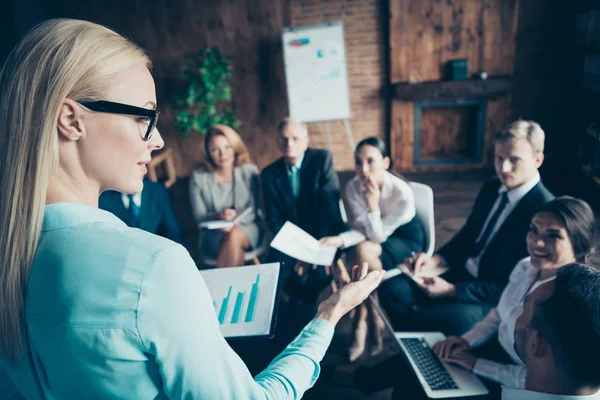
(90,308)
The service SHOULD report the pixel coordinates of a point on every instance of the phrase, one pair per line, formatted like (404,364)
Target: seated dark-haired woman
(384,229)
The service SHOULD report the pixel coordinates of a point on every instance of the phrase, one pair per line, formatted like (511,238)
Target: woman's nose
(156,142)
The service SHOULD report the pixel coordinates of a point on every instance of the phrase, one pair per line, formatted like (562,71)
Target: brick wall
(365,52)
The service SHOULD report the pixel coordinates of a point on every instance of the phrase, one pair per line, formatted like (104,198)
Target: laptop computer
(439,379)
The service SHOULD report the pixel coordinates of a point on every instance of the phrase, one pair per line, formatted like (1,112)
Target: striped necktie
(480,244)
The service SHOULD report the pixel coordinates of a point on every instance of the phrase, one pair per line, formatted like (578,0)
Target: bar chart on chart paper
(243,298)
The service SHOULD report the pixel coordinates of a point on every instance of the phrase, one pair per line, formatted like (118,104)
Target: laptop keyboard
(429,365)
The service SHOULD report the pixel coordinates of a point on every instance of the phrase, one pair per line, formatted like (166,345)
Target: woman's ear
(70,120)
(386,162)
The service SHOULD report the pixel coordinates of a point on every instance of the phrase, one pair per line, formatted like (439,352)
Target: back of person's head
(523,129)
(570,320)
(57,59)
(579,221)
(237,144)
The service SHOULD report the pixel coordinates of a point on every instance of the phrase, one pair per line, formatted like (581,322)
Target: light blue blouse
(114,312)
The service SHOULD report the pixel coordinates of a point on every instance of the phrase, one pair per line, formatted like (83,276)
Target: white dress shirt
(520,394)
(396,208)
(137,199)
(501,322)
(514,196)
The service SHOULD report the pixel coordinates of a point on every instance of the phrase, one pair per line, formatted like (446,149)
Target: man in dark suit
(301,187)
(481,256)
(149,210)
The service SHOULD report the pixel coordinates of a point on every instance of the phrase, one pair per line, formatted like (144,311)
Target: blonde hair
(523,129)
(239,148)
(58,59)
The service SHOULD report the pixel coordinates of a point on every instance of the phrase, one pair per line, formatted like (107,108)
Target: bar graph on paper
(243,298)
(244,307)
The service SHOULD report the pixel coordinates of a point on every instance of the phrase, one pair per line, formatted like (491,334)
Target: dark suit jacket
(317,208)
(156,213)
(506,248)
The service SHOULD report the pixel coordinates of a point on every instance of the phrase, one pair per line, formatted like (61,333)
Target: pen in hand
(414,260)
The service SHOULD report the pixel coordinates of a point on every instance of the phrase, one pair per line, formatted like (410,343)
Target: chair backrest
(424,205)
(343,211)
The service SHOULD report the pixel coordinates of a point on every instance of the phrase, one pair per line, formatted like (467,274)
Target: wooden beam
(438,90)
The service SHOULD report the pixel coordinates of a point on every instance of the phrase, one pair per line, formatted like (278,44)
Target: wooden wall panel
(247,32)
(447,133)
(425,34)
(544,75)
(402,138)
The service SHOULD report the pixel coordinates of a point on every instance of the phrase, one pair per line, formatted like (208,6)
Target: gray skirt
(210,240)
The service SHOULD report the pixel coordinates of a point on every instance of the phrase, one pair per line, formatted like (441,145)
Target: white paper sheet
(298,244)
(244,298)
(220,224)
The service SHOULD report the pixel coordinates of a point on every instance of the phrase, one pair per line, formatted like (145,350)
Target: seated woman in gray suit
(226,184)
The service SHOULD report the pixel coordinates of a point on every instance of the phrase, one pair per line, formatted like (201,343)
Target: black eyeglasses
(126,109)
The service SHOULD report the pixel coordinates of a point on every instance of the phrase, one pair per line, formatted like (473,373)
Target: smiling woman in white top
(385,230)
(561,232)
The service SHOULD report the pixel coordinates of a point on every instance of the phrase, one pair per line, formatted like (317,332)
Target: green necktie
(295,180)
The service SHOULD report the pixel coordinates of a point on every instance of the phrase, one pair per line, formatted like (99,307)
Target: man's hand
(421,262)
(436,287)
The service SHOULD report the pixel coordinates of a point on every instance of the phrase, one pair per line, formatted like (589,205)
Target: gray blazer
(207,204)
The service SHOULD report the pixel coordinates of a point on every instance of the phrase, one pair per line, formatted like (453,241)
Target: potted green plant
(205,99)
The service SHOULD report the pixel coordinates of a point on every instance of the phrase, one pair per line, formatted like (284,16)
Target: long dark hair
(579,221)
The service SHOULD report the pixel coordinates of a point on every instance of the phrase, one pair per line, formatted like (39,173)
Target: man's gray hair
(286,121)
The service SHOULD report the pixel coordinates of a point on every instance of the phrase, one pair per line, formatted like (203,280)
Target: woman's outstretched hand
(351,294)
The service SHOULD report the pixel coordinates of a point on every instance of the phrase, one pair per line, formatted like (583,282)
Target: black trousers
(401,243)
(399,295)
(306,287)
